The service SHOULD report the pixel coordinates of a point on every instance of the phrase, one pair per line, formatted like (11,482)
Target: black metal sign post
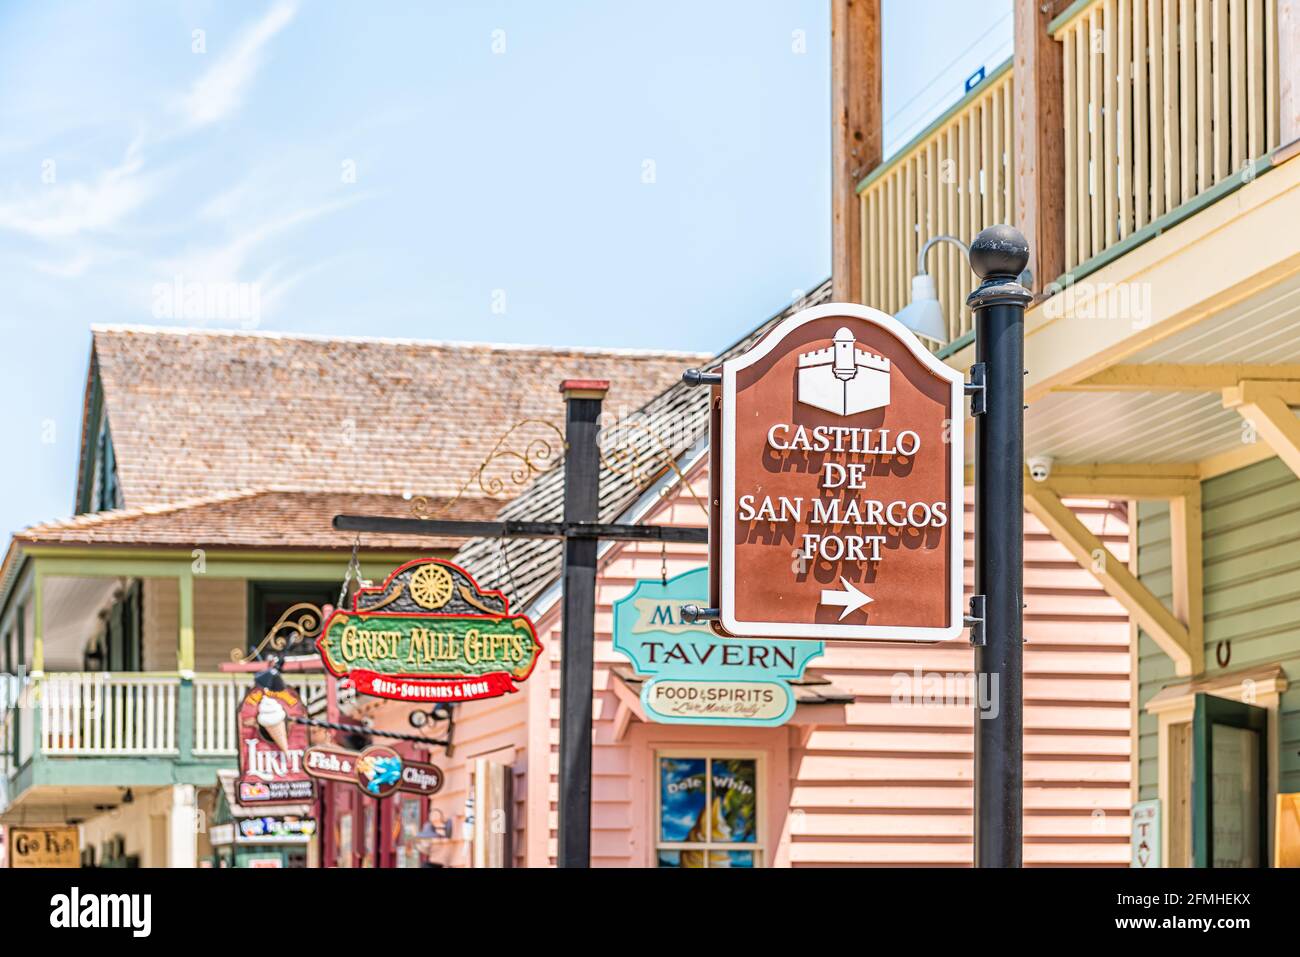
(581,533)
(998,255)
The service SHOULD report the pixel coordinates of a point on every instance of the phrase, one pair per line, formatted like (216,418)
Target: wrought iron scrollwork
(623,453)
(300,623)
(508,467)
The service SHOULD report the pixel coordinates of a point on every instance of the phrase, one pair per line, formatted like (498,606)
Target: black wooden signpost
(581,532)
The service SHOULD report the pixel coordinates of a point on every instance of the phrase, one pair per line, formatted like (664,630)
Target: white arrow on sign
(850,598)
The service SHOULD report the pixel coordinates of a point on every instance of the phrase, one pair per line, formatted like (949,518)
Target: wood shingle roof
(194,413)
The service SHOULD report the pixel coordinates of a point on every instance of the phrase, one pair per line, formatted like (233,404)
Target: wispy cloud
(228,261)
(59,210)
(220,91)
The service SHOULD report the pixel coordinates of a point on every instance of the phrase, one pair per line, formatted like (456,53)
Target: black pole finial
(998,256)
(999,252)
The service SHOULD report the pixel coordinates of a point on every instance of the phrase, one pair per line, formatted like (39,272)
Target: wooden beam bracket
(1265,405)
(1175,638)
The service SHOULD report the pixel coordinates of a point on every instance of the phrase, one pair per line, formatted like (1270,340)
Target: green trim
(185,556)
(160,770)
(956,346)
(900,154)
(90,439)
(21,779)
(1151,230)
(328,567)
(38,623)
(185,629)
(185,720)
(1068,15)
(109,568)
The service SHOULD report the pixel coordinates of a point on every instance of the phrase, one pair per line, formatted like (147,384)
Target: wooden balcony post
(38,624)
(185,633)
(856,137)
(1039,141)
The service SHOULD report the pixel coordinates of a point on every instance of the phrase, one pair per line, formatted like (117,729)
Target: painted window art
(707,812)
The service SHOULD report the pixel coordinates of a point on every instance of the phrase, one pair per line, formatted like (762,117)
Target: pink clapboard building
(873,768)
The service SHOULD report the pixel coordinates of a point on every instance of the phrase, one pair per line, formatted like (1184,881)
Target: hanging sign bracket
(977,389)
(698,615)
(975,620)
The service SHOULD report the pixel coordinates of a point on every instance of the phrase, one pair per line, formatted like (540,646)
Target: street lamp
(923,315)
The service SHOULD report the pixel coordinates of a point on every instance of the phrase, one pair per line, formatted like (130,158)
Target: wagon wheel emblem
(431,586)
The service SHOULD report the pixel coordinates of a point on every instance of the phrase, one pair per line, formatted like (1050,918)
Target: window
(107,494)
(267,601)
(707,812)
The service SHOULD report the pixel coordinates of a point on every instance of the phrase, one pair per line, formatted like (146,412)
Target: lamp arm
(920,260)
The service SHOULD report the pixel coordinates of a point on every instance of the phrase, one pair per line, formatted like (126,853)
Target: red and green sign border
(432,687)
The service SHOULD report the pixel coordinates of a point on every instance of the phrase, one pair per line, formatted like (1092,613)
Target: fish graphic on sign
(842,378)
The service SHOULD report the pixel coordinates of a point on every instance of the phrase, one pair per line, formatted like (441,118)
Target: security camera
(1040,466)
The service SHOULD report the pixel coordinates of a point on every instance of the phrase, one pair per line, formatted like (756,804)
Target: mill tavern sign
(840,501)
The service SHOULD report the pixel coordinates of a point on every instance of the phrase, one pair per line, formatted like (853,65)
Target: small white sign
(1146,834)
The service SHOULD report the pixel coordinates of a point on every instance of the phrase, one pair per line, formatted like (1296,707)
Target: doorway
(1229,783)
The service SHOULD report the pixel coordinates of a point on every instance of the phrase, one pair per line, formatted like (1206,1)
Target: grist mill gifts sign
(697,677)
(840,442)
(271,748)
(429,633)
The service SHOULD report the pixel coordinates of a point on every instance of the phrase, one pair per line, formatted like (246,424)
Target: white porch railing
(216,701)
(116,715)
(108,714)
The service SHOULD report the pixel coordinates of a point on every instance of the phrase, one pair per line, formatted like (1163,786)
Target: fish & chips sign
(429,633)
(839,440)
(378,770)
(697,677)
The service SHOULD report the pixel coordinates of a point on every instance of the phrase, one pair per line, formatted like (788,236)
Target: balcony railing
(955,177)
(93,713)
(125,715)
(216,701)
(1163,101)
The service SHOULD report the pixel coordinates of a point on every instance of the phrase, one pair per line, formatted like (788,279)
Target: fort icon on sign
(843,379)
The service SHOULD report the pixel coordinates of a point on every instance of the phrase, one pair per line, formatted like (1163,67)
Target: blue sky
(578,173)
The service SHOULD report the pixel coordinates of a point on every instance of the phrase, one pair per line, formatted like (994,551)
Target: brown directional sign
(839,448)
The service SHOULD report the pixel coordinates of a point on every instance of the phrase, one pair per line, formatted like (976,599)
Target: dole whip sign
(841,483)
(698,677)
(429,633)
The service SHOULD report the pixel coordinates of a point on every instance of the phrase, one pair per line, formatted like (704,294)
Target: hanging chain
(505,560)
(663,562)
(354,569)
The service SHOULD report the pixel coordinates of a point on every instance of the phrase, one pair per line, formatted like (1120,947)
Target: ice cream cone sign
(271,748)
(272,718)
